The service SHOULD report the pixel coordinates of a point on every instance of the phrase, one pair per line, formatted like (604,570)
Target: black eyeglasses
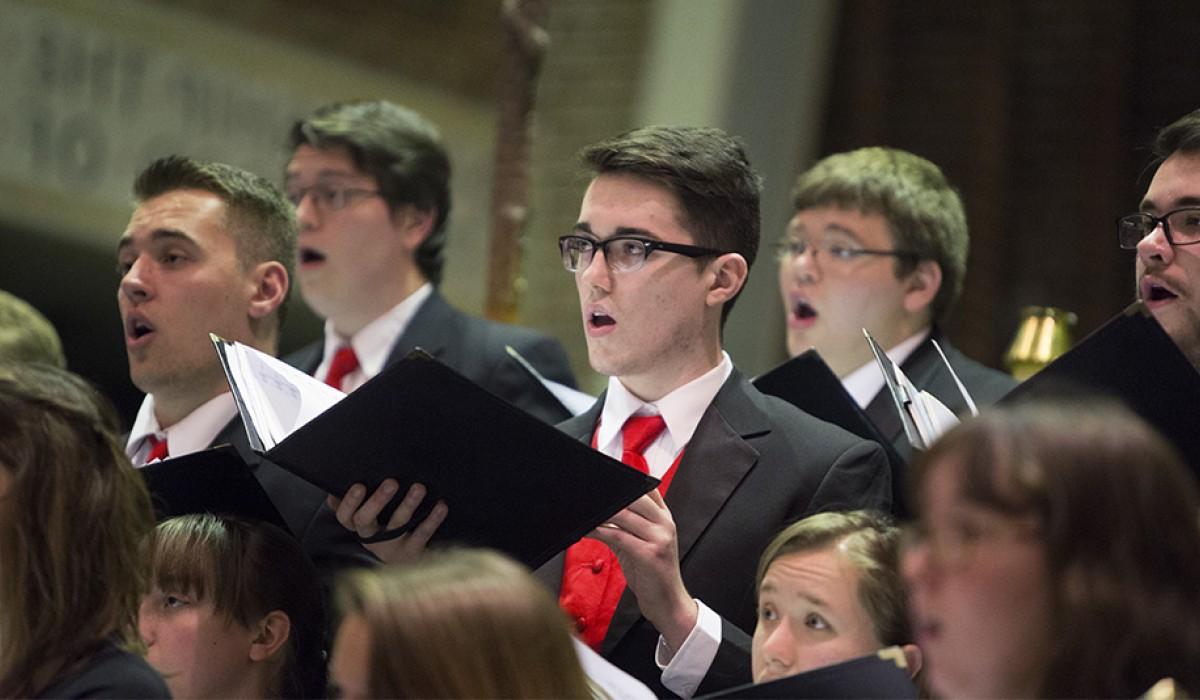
(327,197)
(792,248)
(622,253)
(1181,227)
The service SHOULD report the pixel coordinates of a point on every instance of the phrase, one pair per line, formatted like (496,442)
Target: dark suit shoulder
(110,673)
(307,358)
(985,385)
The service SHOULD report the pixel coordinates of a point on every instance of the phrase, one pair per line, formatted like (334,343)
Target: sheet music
(273,398)
(923,416)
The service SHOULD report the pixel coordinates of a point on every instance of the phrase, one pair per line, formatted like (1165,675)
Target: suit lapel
(429,329)
(919,367)
(715,461)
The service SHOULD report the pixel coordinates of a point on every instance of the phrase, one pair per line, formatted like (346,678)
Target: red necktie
(158,449)
(344,362)
(592,578)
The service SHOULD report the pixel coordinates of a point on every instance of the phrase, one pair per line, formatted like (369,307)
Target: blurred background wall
(1038,110)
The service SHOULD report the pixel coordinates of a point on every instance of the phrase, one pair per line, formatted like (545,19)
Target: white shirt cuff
(683,672)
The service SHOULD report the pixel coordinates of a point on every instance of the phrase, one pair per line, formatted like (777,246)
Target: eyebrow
(622,231)
(156,236)
(1191,201)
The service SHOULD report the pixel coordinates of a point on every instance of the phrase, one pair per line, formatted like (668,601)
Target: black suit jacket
(754,464)
(331,547)
(925,369)
(474,348)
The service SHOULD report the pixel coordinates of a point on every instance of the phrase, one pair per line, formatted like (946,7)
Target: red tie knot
(344,362)
(158,449)
(639,431)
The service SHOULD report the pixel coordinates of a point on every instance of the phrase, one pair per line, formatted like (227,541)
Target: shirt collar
(195,432)
(373,343)
(681,409)
(865,382)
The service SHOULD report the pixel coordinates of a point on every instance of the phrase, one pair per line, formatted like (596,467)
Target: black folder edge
(883,674)
(536,378)
(806,377)
(222,484)
(1172,389)
(333,478)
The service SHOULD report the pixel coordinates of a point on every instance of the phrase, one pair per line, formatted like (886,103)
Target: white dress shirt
(195,432)
(681,411)
(373,343)
(865,382)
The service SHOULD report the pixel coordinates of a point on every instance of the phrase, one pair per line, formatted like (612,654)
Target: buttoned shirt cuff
(683,672)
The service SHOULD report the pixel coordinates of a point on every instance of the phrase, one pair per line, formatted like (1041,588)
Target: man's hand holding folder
(362,517)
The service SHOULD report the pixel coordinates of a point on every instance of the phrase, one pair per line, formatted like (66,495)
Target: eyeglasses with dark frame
(1180,227)
(792,248)
(622,253)
(328,197)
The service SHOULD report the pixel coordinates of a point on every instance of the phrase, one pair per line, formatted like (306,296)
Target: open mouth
(309,256)
(598,319)
(137,328)
(804,312)
(1156,293)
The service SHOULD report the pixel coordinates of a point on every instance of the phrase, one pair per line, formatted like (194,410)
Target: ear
(413,225)
(729,272)
(270,288)
(921,286)
(913,657)
(272,633)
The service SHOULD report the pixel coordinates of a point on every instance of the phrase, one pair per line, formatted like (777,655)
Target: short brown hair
(1119,517)
(401,149)
(249,569)
(260,221)
(870,542)
(26,335)
(708,172)
(924,212)
(465,623)
(1181,135)
(74,528)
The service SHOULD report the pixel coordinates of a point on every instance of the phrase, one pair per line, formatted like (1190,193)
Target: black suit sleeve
(731,666)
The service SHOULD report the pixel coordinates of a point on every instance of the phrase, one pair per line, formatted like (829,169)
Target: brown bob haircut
(74,529)
(249,569)
(1119,518)
(464,623)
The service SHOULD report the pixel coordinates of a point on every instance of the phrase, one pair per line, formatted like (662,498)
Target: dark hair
(1181,135)
(705,168)
(870,542)
(74,527)
(249,569)
(400,149)
(462,623)
(260,221)
(923,211)
(1119,518)
(26,335)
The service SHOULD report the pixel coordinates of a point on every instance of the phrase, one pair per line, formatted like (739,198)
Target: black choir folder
(806,382)
(883,674)
(215,481)
(512,482)
(1130,358)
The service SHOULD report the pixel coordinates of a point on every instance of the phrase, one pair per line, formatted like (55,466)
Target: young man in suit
(1166,235)
(210,249)
(371,185)
(879,241)
(666,235)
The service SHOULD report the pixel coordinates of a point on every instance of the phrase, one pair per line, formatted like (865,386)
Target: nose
(804,265)
(916,565)
(135,284)
(779,649)
(596,275)
(306,212)
(1154,250)
(146,626)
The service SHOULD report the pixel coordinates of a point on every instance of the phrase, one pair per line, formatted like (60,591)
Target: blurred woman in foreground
(1057,555)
